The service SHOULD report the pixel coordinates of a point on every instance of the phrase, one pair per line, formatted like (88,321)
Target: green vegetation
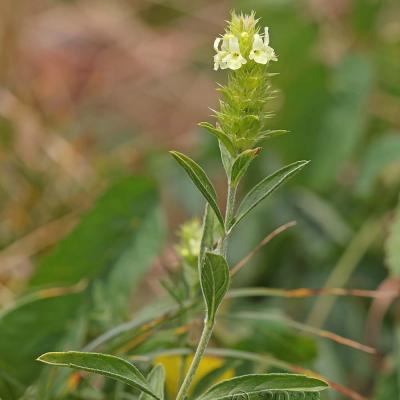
(99,272)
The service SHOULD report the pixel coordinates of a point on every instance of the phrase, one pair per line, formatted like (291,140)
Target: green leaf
(255,386)
(201,180)
(156,379)
(220,135)
(117,221)
(36,324)
(226,158)
(212,377)
(214,282)
(241,164)
(54,382)
(267,186)
(102,364)
(114,243)
(392,246)
(208,234)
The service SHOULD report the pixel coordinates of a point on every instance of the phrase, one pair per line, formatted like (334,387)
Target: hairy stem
(229,214)
(201,348)
(209,324)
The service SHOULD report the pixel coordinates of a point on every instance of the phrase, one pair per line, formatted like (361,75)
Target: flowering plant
(242,123)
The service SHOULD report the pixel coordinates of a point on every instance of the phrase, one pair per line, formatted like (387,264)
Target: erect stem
(229,213)
(201,348)
(208,323)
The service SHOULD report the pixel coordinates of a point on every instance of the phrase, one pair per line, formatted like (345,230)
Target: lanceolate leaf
(221,135)
(241,164)
(201,180)
(267,186)
(226,158)
(214,282)
(102,364)
(207,239)
(156,379)
(253,387)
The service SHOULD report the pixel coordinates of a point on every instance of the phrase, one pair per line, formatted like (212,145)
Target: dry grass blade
(266,240)
(306,292)
(379,308)
(304,328)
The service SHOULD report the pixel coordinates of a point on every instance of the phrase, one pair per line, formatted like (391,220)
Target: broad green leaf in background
(220,135)
(107,235)
(156,379)
(102,364)
(117,239)
(214,282)
(115,242)
(254,386)
(201,180)
(241,164)
(344,120)
(264,188)
(393,245)
(383,152)
(33,326)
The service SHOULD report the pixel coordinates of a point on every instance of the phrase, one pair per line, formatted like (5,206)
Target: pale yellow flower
(229,55)
(261,52)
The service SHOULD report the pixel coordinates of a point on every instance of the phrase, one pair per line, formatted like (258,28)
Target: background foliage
(94,93)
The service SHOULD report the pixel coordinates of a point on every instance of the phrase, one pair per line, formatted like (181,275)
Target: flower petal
(234,45)
(216,43)
(257,42)
(266,36)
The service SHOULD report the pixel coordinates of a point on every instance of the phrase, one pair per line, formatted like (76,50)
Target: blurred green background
(94,93)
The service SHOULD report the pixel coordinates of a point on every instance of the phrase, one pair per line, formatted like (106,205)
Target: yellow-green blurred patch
(173,367)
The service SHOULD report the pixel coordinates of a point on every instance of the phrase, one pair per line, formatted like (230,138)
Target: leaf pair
(259,192)
(112,367)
